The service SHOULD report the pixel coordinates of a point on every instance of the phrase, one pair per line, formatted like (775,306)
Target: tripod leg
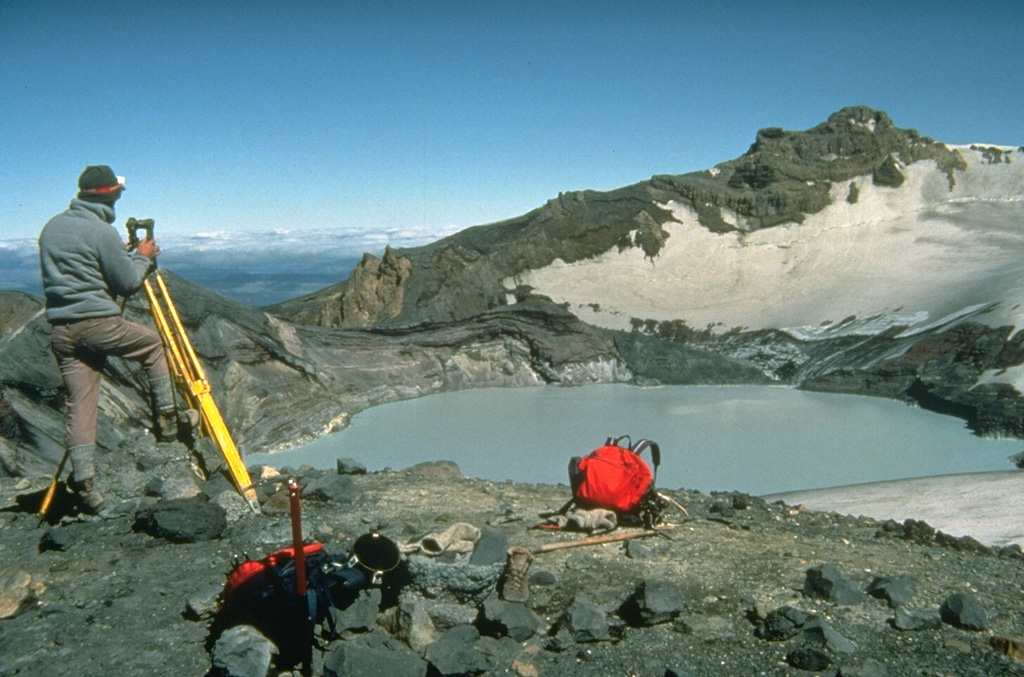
(48,499)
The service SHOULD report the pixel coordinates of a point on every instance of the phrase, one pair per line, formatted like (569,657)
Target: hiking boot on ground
(90,499)
(514,585)
(171,427)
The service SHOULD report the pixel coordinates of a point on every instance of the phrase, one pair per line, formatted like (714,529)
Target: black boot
(90,499)
(171,427)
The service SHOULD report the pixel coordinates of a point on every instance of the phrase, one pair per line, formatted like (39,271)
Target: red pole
(300,553)
(300,568)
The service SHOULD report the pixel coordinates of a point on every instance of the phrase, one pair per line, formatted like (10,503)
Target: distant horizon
(258,269)
(343,117)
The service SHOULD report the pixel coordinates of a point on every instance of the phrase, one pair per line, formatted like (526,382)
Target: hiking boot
(514,585)
(91,500)
(165,428)
(168,427)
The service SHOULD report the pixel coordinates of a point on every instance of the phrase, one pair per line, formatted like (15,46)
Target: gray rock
(825,582)
(909,619)
(888,174)
(961,609)
(202,605)
(455,652)
(181,484)
(586,622)
(490,549)
(234,506)
(817,632)
(653,602)
(510,619)
(808,658)
(348,466)
(642,549)
(373,655)
(897,590)
(361,614)
(331,488)
(184,520)
(781,624)
(445,612)
(414,623)
(18,589)
(218,483)
(465,582)
(441,470)
(242,651)
(60,538)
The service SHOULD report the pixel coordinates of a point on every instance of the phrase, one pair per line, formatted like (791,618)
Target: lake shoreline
(755,439)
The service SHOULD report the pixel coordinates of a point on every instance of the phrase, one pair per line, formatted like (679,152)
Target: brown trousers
(81,349)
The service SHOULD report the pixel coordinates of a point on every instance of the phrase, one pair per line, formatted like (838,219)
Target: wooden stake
(595,540)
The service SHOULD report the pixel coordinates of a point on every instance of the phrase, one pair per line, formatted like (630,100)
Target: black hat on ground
(98,183)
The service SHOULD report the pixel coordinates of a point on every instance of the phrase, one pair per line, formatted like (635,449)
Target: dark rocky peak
(855,141)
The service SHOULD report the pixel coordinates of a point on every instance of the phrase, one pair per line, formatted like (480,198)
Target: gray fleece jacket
(85,266)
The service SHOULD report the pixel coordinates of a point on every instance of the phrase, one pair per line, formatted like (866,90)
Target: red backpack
(615,477)
(263,593)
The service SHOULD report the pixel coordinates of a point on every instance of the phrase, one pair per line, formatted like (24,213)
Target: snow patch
(900,256)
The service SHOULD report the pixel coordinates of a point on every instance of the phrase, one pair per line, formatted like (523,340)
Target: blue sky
(426,117)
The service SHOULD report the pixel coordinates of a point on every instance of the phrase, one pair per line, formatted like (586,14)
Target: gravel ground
(107,597)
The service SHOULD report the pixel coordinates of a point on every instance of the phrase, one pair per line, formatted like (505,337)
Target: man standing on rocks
(85,268)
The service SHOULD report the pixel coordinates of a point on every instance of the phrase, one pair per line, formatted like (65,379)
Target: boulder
(242,651)
(782,624)
(961,609)
(182,520)
(911,619)
(653,602)
(825,582)
(455,652)
(896,590)
(18,589)
(509,619)
(373,655)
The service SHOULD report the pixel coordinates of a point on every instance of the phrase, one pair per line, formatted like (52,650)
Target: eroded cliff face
(372,295)
(280,384)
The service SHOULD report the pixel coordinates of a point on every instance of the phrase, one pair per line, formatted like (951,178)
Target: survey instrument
(186,370)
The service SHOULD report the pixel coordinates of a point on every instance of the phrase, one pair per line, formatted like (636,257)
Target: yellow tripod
(188,372)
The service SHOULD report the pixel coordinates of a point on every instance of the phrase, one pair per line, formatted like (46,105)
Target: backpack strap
(655,454)
(614,441)
(320,601)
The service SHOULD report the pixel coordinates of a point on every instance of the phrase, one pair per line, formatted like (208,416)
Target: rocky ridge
(782,178)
